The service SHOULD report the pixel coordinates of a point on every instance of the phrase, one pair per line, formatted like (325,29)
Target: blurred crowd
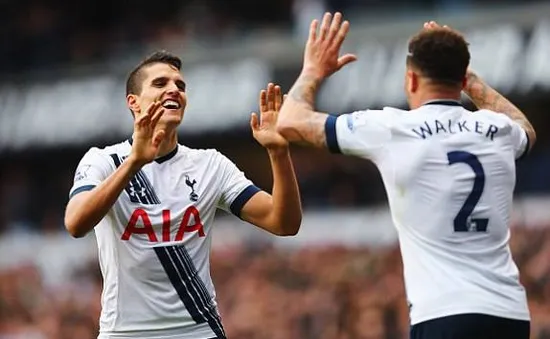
(41,34)
(330,292)
(263,292)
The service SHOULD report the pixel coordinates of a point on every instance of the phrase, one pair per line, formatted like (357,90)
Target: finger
(313,30)
(254,122)
(156,117)
(263,101)
(346,59)
(325,24)
(430,25)
(278,98)
(158,137)
(335,26)
(434,24)
(341,36)
(153,107)
(143,120)
(157,99)
(270,97)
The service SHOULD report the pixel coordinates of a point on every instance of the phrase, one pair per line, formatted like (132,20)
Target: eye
(181,85)
(159,82)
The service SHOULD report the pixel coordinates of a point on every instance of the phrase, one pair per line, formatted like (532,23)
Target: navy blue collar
(165,157)
(445,102)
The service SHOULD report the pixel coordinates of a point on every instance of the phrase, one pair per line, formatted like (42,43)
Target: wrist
(134,163)
(473,82)
(311,73)
(275,152)
(471,75)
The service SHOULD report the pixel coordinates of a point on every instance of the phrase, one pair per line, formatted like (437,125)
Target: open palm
(147,138)
(264,127)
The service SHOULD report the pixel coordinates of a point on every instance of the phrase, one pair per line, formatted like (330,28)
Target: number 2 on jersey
(463,221)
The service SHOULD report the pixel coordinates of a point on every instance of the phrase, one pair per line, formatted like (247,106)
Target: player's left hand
(264,127)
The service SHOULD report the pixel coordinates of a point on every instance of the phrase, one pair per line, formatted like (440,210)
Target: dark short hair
(135,78)
(441,55)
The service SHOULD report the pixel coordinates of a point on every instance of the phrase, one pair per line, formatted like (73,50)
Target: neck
(435,95)
(169,143)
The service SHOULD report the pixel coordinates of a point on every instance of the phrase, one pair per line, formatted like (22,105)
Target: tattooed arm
(485,97)
(298,121)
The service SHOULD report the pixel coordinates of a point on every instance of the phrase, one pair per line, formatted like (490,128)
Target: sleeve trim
(239,202)
(526,150)
(330,133)
(81,189)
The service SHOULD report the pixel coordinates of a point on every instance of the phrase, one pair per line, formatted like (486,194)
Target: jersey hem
(202,332)
(445,313)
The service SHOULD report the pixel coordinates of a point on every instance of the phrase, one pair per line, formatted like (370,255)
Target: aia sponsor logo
(140,223)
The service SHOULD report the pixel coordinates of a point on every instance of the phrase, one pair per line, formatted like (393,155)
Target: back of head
(440,55)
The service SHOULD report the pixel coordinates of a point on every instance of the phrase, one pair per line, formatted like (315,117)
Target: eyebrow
(165,78)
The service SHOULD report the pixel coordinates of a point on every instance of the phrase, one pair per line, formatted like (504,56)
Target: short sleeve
(236,188)
(93,168)
(520,140)
(361,133)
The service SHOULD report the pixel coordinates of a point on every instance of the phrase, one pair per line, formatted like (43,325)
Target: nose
(172,92)
(171,88)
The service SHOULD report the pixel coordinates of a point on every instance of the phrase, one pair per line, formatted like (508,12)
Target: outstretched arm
(298,120)
(279,213)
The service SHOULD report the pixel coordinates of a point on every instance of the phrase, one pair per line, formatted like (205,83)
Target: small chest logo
(193,196)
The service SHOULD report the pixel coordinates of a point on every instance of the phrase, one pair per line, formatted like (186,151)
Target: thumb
(254,123)
(158,137)
(346,59)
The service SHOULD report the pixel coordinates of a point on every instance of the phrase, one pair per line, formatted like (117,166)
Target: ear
(413,81)
(464,82)
(132,103)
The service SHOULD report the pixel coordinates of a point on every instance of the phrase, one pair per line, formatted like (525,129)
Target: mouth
(171,104)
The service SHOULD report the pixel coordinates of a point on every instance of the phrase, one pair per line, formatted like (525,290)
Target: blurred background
(62,73)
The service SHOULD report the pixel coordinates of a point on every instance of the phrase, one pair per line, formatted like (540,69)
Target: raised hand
(264,127)
(321,56)
(147,139)
(434,25)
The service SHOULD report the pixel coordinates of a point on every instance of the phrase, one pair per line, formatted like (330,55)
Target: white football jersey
(449,174)
(154,244)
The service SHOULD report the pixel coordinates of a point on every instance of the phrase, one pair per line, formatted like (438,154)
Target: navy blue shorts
(471,326)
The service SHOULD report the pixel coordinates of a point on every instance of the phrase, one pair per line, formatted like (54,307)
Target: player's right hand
(147,138)
(434,25)
(321,56)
